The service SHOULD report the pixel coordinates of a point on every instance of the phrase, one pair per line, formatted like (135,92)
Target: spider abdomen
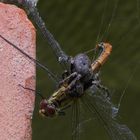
(81,64)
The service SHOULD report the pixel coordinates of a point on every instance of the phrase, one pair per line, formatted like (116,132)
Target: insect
(79,75)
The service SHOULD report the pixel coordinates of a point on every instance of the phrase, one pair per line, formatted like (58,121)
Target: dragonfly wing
(106,113)
(75,120)
(33,11)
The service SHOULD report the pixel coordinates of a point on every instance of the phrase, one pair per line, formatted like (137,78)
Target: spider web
(105,37)
(120,73)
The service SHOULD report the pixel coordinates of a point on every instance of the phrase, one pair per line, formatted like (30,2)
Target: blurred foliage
(78,26)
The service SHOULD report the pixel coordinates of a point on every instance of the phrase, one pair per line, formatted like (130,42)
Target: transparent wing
(106,112)
(75,120)
(33,12)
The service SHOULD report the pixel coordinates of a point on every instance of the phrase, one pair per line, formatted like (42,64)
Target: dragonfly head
(47,109)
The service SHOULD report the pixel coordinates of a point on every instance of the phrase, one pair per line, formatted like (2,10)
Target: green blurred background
(78,26)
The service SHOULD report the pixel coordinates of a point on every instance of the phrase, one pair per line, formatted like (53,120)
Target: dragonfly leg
(68,79)
(75,88)
(26,88)
(32,90)
(65,74)
(73,83)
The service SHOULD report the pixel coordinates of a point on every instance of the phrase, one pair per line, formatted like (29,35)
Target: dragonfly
(79,83)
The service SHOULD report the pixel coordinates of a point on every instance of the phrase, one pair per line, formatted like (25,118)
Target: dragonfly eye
(47,109)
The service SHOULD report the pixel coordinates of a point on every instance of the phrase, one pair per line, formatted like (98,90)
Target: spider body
(81,77)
